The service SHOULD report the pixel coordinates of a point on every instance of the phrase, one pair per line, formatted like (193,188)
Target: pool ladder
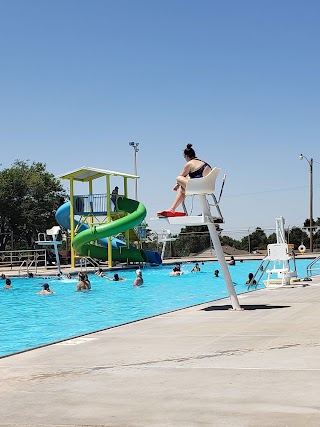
(310,268)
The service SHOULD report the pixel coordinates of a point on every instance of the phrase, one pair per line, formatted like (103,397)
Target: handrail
(222,187)
(92,262)
(309,266)
(23,262)
(28,262)
(261,269)
(87,260)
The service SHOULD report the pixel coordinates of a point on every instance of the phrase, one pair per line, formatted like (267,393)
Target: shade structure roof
(85,174)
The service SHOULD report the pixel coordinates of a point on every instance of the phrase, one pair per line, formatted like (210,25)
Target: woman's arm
(184,173)
(186,170)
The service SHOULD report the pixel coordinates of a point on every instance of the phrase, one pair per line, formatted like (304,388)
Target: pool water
(29,320)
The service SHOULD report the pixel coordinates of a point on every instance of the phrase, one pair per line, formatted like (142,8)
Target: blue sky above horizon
(237,79)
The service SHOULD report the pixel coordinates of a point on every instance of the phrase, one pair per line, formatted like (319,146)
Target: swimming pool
(29,320)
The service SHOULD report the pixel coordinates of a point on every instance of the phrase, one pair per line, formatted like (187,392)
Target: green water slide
(82,241)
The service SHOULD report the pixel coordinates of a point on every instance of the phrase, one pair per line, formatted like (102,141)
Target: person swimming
(116,278)
(8,284)
(99,272)
(45,290)
(251,281)
(84,283)
(232,261)
(176,271)
(139,279)
(195,268)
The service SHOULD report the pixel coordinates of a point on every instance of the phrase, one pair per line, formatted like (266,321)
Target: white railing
(23,259)
(311,268)
(87,261)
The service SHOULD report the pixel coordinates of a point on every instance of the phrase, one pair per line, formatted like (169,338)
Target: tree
(256,240)
(272,239)
(229,241)
(30,196)
(192,239)
(298,237)
(316,237)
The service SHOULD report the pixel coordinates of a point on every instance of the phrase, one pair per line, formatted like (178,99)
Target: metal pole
(311,205)
(220,255)
(135,172)
(301,157)
(134,145)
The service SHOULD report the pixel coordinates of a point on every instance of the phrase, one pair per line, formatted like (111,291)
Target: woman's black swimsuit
(199,172)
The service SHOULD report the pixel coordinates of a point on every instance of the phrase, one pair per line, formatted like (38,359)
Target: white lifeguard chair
(166,237)
(203,188)
(49,238)
(279,253)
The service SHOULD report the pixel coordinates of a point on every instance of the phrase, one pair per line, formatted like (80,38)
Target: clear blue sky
(238,79)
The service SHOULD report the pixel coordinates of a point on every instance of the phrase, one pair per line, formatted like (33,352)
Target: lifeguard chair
(166,237)
(49,238)
(278,254)
(204,188)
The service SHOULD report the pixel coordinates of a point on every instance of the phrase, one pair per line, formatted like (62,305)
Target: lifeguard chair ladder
(204,187)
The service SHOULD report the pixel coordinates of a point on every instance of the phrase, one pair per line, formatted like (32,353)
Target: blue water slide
(63,219)
(153,257)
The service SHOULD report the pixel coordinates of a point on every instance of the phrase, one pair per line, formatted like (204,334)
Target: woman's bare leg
(182,181)
(179,188)
(178,200)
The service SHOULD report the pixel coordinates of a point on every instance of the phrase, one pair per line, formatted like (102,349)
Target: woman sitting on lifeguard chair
(194,168)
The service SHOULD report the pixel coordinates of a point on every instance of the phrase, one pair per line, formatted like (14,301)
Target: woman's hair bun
(189,145)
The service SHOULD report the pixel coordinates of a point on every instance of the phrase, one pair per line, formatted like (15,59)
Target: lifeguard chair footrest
(169,214)
(193,220)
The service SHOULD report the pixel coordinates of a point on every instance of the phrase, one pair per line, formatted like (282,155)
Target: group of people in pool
(85,285)
(176,271)
(83,281)
(138,281)
(8,284)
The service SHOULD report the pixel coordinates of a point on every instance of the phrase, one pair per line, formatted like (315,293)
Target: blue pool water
(29,320)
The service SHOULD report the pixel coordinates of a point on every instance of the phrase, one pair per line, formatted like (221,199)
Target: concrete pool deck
(200,366)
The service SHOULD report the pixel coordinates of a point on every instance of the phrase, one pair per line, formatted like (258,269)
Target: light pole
(249,246)
(134,145)
(301,157)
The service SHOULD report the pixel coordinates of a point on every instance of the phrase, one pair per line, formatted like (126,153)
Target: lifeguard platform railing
(90,204)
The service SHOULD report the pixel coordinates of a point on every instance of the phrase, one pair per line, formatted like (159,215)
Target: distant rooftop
(86,173)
